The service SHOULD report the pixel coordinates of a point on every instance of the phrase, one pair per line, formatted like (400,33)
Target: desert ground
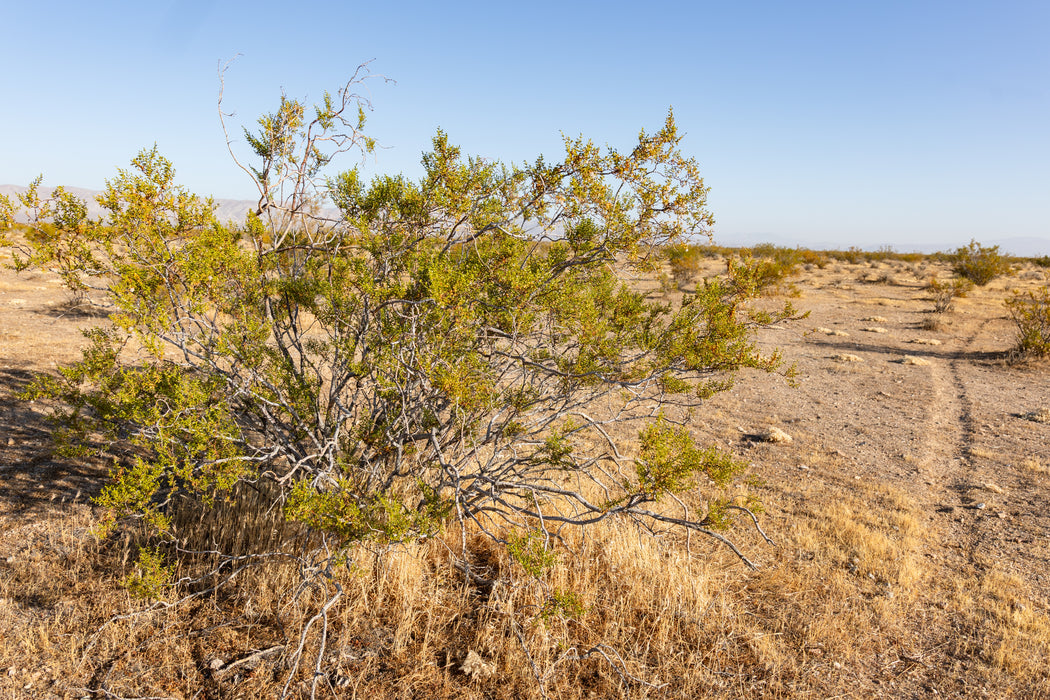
(910,514)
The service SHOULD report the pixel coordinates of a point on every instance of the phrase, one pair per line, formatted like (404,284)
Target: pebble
(776,435)
(981,506)
(216,664)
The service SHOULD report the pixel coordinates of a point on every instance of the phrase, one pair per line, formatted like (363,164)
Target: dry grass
(1001,624)
(1035,467)
(657,617)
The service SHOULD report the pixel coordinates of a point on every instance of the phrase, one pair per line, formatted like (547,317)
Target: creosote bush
(1030,312)
(436,351)
(979,264)
(685,261)
(943,293)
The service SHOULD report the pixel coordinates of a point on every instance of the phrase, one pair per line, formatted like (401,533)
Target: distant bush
(685,262)
(1031,312)
(1043,261)
(813,257)
(852,255)
(773,264)
(944,293)
(979,264)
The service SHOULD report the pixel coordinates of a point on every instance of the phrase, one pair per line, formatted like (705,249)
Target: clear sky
(841,122)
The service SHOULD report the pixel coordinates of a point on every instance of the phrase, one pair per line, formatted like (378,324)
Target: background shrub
(685,261)
(1030,311)
(979,264)
(944,293)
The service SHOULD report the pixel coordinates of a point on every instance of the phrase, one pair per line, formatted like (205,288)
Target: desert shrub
(420,359)
(771,264)
(1043,261)
(1030,312)
(944,293)
(685,261)
(979,264)
(852,255)
(813,257)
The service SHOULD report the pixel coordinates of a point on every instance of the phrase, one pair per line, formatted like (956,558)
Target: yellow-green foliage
(424,357)
(150,577)
(944,293)
(979,264)
(1030,311)
(685,261)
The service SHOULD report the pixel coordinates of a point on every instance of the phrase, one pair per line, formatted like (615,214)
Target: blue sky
(847,123)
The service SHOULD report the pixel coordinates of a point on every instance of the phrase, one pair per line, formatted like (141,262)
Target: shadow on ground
(31,477)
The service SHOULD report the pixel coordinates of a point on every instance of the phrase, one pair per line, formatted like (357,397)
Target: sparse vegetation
(945,292)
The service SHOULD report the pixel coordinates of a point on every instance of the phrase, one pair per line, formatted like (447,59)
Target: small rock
(1001,515)
(803,467)
(1040,416)
(10,442)
(874,329)
(917,361)
(837,665)
(991,487)
(875,319)
(476,667)
(846,357)
(776,435)
(215,664)
(815,652)
(980,506)
(12,671)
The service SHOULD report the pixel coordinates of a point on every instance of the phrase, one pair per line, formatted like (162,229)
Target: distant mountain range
(226,209)
(1021,246)
(236,209)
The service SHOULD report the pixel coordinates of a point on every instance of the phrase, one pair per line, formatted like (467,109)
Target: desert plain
(910,515)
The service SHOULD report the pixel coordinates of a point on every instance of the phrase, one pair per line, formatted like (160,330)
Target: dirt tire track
(950,470)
